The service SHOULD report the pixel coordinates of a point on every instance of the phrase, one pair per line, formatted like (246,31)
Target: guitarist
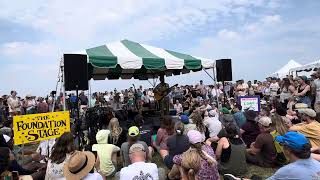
(162,88)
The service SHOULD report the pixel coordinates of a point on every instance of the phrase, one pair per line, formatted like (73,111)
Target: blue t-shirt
(301,169)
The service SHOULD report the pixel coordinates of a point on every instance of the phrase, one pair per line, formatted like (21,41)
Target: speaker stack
(224,70)
(75,72)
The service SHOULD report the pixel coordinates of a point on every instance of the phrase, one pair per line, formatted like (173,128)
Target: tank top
(308,94)
(236,164)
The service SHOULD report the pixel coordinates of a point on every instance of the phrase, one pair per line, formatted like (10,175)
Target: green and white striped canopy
(127,59)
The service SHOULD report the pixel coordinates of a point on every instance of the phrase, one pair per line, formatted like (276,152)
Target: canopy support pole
(63,85)
(214,84)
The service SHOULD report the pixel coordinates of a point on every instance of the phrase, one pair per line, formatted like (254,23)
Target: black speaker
(75,72)
(224,70)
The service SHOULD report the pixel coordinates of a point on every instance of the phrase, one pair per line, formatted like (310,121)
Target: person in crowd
(286,91)
(250,129)
(309,126)
(133,137)
(274,88)
(177,144)
(316,84)
(242,88)
(146,132)
(262,152)
(211,121)
(303,91)
(139,169)
(178,107)
(107,154)
(14,104)
(239,116)
(280,128)
(42,106)
(297,148)
(198,121)
(231,152)
(166,130)
(187,125)
(208,164)
(61,152)
(29,104)
(81,166)
(250,89)
(117,134)
(190,165)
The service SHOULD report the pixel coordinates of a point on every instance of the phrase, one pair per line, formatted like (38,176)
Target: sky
(260,36)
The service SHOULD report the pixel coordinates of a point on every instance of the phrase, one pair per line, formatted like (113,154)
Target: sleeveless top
(236,163)
(308,94)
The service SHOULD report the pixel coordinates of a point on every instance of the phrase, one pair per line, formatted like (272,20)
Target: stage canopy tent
(285,70)
(307,67)
(127,59)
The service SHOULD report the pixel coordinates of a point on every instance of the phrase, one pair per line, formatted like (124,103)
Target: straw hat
(79,165)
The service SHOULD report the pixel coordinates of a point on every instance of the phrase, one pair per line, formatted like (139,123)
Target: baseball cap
(184,119)
(133,131)
(102,136)
(293,140)
(136,148)
(195,137)
(308,112)
(224,110)
(265,121)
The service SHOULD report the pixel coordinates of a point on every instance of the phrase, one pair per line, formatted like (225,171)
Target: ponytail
(204,155)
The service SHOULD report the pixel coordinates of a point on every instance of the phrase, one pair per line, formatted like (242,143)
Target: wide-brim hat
(79,165)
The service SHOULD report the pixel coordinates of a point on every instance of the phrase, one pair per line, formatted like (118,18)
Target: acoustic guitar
(160,94)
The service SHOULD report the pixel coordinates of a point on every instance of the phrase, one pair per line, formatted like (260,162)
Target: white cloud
(270,20)
(228,35)
(21,48)
(83,20)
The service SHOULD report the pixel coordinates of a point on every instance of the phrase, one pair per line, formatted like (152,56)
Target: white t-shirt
(178,108)
(93,176)
(107,98)
(140,170)
(274,87)
(213,124)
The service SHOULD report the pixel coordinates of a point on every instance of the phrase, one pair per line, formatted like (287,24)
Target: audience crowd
(208,135)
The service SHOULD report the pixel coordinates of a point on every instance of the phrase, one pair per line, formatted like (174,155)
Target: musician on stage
(162,89)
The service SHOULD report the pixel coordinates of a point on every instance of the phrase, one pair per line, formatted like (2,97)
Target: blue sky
(259,35)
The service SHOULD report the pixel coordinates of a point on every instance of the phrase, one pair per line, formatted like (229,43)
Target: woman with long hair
(280,128)
(303,91)
(117,133)
(208,168)
(61,152)
(166,130)
(4,160)
(198,121)
(287,89)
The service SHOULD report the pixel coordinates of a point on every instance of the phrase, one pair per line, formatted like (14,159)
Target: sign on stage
(250,103)
(38,127)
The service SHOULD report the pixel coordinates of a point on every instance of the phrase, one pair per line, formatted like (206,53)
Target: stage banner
(250,103)
(38,127)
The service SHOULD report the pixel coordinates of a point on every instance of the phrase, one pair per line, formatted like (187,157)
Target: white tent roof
(282,72)
(307,67)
